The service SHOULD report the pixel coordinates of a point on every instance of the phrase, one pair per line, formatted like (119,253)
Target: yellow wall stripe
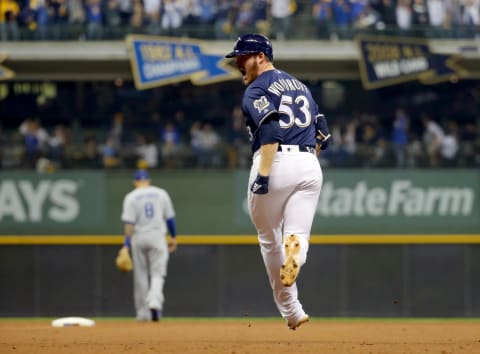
(244,239)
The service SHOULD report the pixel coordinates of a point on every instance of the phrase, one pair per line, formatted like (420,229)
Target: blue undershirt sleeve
(270,131)
(172,227)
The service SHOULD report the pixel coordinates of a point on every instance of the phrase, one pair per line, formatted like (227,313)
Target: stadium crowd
(119,127)
(223,19)
(183,127)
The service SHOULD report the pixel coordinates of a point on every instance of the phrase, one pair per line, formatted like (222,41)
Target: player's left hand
(123,260)
(260,185)
(172,244)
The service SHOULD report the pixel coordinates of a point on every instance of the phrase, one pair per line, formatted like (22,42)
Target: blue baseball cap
(141,174)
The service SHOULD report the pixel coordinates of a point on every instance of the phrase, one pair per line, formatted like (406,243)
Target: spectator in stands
(76,12)
(205,143)
(225,17)
(116,131)
(181,124)
(388,13)
(42,18)
(449,146)
(146,151)
(281,11)
(137,18)
(28,19)
(125,11)
(420,17)
(3,141)
(172,17)
(453,17)
(262,16)
(367,135)
(94,18)
(400,137)
(469,144)
(322,13)
(191,15)
(415,152)
(404,16)
(238,150)
(57,11)
(245,21)
(110,154)
(112,18)
(9,13)
(13,151)
(437,17)
(343,148)
(471,16)
(196,140)
(207,11)
(152,16)
(35,140)
(170,140)
(56,146)
(341,13)
(380,154)
(89,157)
(367,17)
(356,8)
(432,138)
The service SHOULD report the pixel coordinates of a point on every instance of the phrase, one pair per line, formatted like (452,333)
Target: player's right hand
(323,133)
(260,185)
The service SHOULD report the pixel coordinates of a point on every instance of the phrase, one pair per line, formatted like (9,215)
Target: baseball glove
(124,261)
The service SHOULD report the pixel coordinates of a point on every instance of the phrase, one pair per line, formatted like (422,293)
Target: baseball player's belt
(296,148)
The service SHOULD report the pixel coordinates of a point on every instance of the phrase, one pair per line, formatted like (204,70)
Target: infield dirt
(242,337)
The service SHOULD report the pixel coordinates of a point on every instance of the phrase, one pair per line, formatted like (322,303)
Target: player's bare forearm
(267,154)
(128,229)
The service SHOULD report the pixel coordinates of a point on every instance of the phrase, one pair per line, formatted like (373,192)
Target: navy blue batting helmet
(252,43)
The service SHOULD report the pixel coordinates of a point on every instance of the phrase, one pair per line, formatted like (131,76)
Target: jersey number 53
(291,108)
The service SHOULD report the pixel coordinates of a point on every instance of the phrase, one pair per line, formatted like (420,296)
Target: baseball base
(72,322)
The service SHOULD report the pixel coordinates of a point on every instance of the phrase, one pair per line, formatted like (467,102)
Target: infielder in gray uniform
(147,214)
(287,132)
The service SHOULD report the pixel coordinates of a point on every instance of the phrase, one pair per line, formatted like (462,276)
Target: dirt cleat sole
(290,268)
(294,325)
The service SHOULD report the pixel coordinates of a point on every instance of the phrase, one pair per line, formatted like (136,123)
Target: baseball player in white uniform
(287,132)
(147,214)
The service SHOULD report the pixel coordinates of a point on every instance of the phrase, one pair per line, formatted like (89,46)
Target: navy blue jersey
(277,94)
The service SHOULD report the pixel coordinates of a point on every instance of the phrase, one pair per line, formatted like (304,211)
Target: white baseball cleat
(290,268)
(293,325)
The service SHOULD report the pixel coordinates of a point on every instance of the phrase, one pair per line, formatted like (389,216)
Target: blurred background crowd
(104,125)
(224,19)
(63,125)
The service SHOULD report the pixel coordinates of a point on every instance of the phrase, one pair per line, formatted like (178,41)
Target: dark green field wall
(211,281)
(214,203)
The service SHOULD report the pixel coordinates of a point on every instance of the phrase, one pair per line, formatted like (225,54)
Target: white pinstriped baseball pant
(288,208)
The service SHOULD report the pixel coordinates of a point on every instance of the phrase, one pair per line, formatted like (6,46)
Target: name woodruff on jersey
(280,86)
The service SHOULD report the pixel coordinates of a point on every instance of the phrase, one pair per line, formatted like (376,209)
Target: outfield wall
(208,280)
(384,244)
